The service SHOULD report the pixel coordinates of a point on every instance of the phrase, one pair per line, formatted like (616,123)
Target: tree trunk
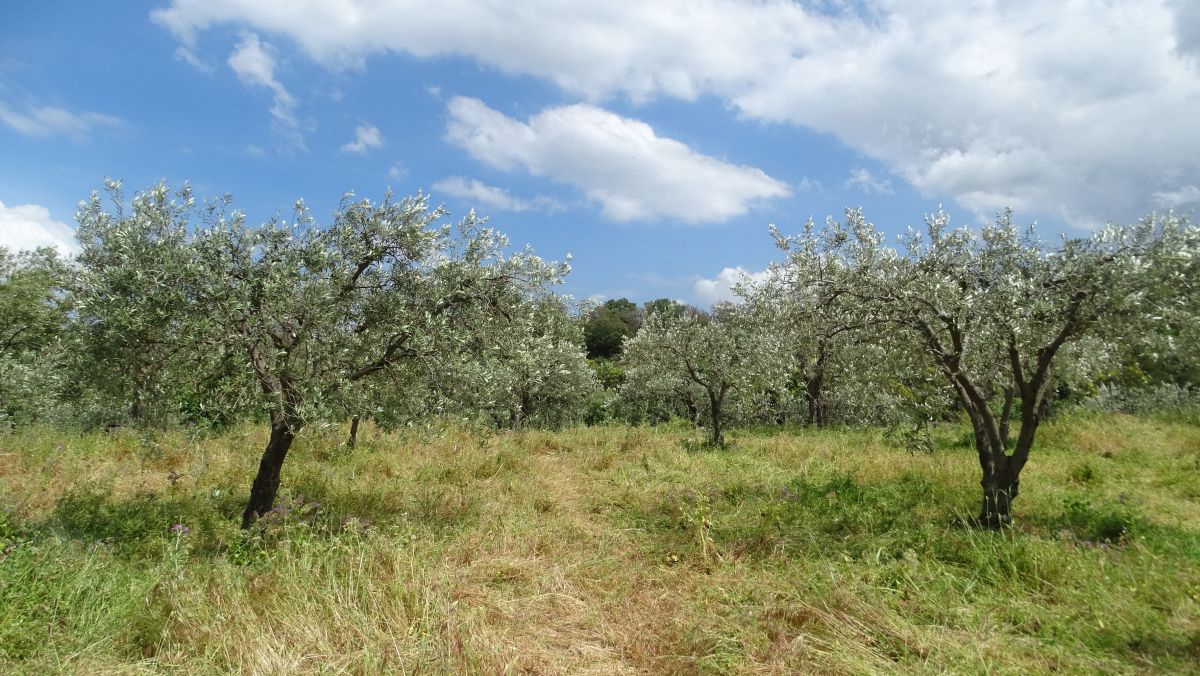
(1046,407)
(137,411)
(814,391)
(353,440)
(689,404)
(1001,472)
(524,405)
(717,435)
(693,412)
(266,482)
(1000,486)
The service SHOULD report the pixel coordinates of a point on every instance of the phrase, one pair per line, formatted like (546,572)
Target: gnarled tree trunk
(1001,480)
(814,390)
(285,424)
(1000,487)
(266,482)
(519,413)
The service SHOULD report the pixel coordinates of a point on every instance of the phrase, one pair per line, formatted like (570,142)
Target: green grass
(601,550)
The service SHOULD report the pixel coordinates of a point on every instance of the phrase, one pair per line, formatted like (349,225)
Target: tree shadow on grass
(833,516)
(1096,522)
(137,525)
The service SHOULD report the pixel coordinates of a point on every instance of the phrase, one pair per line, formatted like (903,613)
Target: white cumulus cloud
(1083,110)
(366,136)
(29,226)
(633,173)
(720,288)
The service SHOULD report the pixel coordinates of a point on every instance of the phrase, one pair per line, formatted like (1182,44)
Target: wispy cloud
(52,121)
(191,58)
(1188,195)
(254,63)
(862,179)
(807,184)
(490,196)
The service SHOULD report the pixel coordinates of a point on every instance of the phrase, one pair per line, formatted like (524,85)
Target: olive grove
(178,312)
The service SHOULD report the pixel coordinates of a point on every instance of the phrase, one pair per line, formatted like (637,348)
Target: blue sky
(653,141)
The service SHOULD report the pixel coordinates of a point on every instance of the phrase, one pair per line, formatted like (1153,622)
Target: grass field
(600,550)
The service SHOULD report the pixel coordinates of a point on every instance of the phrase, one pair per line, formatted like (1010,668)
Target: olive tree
(322,312)
(653,394)
(717,353)
(839,370)
(539,370)
(130,299)
(800,298)
(34,311)
(523,367)
(995,310)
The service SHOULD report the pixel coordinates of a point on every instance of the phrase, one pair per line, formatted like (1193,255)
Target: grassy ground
(600,550)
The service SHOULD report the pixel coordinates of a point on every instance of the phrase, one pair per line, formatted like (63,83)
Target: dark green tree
(608,325)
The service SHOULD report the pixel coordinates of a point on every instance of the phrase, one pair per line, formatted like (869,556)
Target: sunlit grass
(599,550)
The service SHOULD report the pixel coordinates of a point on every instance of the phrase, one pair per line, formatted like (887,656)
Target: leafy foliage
(34,319)
(610,324)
